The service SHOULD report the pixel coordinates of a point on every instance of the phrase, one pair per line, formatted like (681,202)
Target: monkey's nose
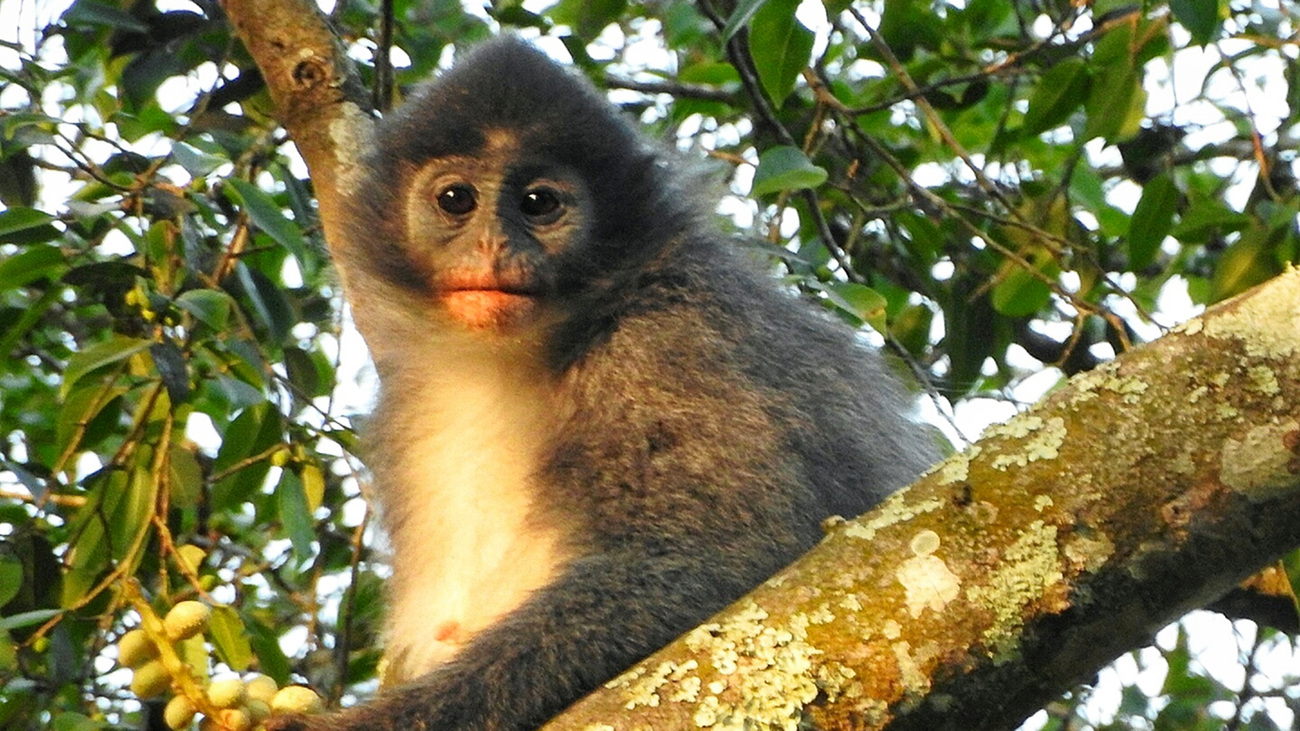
(492,242)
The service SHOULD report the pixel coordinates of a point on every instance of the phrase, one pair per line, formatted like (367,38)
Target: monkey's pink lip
(501,282)
(483,309)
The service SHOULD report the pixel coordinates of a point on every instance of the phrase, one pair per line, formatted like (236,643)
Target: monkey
(599,421)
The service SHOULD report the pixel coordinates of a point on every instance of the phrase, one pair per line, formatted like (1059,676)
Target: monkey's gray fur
(598,424)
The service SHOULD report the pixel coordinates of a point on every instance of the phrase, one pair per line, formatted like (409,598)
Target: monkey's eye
(541,204)
(457,199)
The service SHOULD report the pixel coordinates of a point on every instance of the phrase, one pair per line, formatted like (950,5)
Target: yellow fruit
(258,709)
(135,649)
(260,687)
(226,692)
(296,699)
(235,719)
(186,619)
(179,713)
(150,680)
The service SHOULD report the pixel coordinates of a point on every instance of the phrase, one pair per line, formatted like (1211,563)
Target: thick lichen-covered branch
(1066,536)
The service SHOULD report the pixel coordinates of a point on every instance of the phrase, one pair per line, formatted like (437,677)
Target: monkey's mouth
(481,303)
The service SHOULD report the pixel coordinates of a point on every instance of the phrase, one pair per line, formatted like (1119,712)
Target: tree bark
(1066,536)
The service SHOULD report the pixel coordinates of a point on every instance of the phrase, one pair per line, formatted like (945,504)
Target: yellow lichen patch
(1263,380)
(1260,464)
(1017,427)
(777,679)
(834,678)
(1106,377)
(642,686)
(915,680)
(929,584)
(1044,443)
(925,577)
(1191,327)
(820,615)
(1043,502)
(1028,568)
(894,510)
(1088,551)
(1270,327)
(924,543)
(956,468)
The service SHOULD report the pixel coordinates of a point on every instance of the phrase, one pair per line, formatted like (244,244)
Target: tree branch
(1144,489)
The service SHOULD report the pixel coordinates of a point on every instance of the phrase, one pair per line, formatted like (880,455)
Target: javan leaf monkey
(597,423)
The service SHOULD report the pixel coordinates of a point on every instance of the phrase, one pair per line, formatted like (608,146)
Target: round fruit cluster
(232,704)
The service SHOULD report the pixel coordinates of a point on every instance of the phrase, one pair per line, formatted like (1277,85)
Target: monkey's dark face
(487,234)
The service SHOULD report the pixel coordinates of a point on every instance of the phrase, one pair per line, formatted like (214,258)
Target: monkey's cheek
(483,309)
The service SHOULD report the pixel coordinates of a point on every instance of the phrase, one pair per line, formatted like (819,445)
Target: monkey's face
(486,236)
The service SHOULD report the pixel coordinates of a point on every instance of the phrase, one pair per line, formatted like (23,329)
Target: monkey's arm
(605,613)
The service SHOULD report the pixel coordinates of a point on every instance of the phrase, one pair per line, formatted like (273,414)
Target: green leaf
(19,219)
(302,372)
(268,301)
(1199,17)
(295,514)
(195,161)
(94,406)
(588,17)
(11,578)
(861,301)
(1059,92)
(1152,219)
(8,654)
(209,306)
(110,351)
(184,477)
(90,551)
(134,510)
(194,653)
(1246,263)
(313,486)
(270,657)
(27,619)
(781,47)
(1020,294)
(745,10)
(230,638)
(91,13)
(38,262)
(785,168)
(268,216)
(907,25)
(251,434)
(1110,103)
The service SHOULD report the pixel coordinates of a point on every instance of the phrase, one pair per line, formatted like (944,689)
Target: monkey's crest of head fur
(553,116)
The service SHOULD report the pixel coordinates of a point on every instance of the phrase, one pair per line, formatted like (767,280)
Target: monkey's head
(508,192)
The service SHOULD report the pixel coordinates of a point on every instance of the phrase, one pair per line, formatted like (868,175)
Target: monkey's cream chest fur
(458,499)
